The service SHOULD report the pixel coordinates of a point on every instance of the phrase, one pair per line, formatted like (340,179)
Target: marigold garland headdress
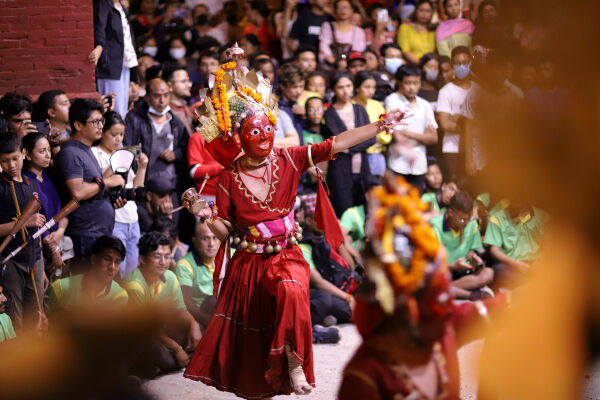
(235,95)
(403,241)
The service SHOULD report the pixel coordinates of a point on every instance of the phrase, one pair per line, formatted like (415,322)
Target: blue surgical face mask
(462,71)
(431,75)
(392,64)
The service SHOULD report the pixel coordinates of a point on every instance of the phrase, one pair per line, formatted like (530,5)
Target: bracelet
(385,125)
(214,214)
(101,184)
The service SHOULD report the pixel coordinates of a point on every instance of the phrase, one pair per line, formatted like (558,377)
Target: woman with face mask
(416,37)
(429,80)
(173,52)
(455,31)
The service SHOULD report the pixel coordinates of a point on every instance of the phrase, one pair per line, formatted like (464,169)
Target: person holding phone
(16,108)
(459,233)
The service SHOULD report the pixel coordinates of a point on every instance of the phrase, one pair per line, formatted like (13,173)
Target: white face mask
(150,50)
(153,110)
(177,53)
(392,64)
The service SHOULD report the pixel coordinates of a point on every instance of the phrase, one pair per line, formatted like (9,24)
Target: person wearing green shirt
(514,234)
(195,274)
(7,332)
(459,234)
(96,286)
(438,192)
(153,284)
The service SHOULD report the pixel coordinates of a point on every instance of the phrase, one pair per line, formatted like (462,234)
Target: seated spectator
(208,63)
(373,63)
(165,225)
(195,274)
(347,175)
(313,124)
(459,234)
(317,83)
(163,136)
(515,233)
(249,43)
(96,286)
(417,37)
(446,189)
(16,277)
(267,68)
(407,155)
(306,58)
(160,196)
(180,86)
(153,284)
(37,154)
(84,180)
(393,58)
(446,71)
(291,85)
(15,110)
(329,303)
(430,68)
(7,331)
(382,27)
(126,227)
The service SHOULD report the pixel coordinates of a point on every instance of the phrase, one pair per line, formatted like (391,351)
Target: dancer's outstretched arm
(352,137)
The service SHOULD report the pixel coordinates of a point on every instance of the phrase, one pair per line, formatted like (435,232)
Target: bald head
(205,242)
(158,94)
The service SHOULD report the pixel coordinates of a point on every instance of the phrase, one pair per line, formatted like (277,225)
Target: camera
(137,194)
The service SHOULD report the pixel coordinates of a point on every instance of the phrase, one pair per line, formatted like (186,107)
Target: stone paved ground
(329,362)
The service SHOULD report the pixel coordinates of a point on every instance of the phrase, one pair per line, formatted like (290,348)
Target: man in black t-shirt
(307,28)
(84,181)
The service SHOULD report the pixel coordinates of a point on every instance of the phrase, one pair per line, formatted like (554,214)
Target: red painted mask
(257,136)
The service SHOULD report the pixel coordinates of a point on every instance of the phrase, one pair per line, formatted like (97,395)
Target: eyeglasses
(96,122)
(158,257)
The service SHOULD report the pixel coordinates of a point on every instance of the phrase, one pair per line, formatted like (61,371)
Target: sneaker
(325,335)
(329,320)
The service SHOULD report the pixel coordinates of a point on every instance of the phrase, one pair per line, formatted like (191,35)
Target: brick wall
(44,45)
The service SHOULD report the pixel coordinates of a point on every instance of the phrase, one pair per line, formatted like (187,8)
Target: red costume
(206,164)
(264,299)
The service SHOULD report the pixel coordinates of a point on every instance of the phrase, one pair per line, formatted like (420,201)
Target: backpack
(332,266)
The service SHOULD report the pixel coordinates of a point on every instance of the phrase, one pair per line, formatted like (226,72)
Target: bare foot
(296,372)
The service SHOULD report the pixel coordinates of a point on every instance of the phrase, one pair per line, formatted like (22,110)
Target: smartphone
(382,15)
(110,100)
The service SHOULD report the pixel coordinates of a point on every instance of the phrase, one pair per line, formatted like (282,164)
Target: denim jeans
(129,235)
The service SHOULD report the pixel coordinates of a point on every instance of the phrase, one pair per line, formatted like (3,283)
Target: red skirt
(263,305)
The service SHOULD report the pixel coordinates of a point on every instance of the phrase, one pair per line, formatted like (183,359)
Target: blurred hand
(194,336)
(46,282)
(165,207)
(114,180)
(95,55)
(461,265)
(25,127)
(182,357)
(42,324)
(298,109)
(120,202)
(54,136)
(52,241)
(36,220)
(143,160)
(168,155)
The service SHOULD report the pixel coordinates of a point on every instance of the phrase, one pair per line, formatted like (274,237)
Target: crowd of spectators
(335,65)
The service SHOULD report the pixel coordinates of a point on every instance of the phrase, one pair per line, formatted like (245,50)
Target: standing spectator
(392,58)
(307,28)
(153,283)
(291,85)
(38,156)
(16,279)
(163,136)
(356,62)
(267,68)
(450,101)
(84,179)
(195,274)
(127,228)
(417,37)
(364,82)
(317,83)
(173,52)
(51,111)
(114,52)
(446,72)
(145,61)
(180,86)
(430,68)
(373,63)
(144,18)
(341,36)
(488,31)
(381,29)
(15,109)
(284,21)
(306,57)
(407,155)
(348,174)
(455,31)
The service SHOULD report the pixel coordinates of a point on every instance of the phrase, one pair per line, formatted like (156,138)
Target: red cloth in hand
(326,219)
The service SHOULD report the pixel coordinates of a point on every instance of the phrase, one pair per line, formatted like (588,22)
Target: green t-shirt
(430,197)
(458,244)
(68,292)
(198,276)
(310,137)
(307,253)
(165,290)
(353,219)
(7,331)
(519,238)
